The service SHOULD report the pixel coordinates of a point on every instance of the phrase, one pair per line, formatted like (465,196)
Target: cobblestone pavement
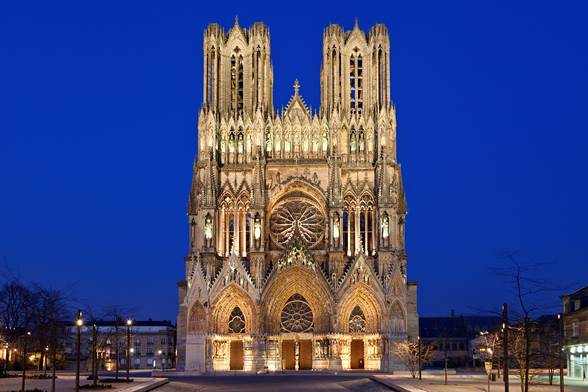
(273,383)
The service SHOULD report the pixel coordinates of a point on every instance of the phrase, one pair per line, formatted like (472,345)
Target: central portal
(304,354)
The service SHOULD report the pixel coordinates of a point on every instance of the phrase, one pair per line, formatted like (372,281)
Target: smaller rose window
(237,321)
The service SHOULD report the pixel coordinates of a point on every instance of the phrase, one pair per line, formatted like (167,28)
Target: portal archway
(230,298)
(289,283)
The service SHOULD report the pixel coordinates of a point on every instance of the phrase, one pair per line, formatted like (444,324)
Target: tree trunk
(527,352)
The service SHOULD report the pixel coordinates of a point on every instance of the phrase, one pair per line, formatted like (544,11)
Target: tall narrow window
(333,70)
(240,85)
(352,83)
(233,83)
(381,77)
(359,83)
(345,230)
(258,73)
(211,68)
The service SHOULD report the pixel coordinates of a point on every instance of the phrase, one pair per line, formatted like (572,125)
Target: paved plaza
(65,382)
(278,382)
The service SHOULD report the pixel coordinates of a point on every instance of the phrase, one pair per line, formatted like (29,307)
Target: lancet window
(356,81)
(235,222)
(359,234)
(237,82)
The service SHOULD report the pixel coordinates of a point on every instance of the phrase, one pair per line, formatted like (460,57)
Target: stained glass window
(297,315)
(237,321)
(356,320)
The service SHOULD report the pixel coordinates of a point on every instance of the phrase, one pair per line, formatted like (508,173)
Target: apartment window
(163,342)
(577,305)
(150,340)
(575,328)
(149,350)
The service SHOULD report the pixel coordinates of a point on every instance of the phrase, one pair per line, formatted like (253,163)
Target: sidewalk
(66,383)
(403,382)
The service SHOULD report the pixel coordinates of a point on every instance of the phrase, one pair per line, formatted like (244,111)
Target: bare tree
(528,287)
(117,314)
(408,354)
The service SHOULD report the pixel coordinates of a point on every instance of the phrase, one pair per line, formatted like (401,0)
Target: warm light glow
(132,350)
(257,229)
(159,352)
(79,322)
(336,231)
(129,322)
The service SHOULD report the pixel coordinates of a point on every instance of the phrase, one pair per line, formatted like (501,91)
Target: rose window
(356,320)
(297,315)
(237,321)
(297,216)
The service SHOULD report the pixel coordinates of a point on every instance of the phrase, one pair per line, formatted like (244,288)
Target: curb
(388,385)
(149,386)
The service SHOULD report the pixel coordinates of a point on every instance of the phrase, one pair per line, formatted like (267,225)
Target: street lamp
(132,350)
(159,352)
(79,323)
(561,333)
(129,323)
(24,359)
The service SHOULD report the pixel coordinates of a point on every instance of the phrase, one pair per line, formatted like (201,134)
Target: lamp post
(24,360)
(420,363)
(132,349)
(129,323)
(561,359)
(159,352)
(505,345)
(79,323)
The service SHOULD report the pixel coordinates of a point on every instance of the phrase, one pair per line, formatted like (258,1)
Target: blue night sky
(98,118)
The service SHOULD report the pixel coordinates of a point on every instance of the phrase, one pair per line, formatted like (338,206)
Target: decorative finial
(236,21)
(356,23)
(296,87)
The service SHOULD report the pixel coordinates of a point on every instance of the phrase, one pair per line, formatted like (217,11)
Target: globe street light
(79,323)
(129,323)
(159,352)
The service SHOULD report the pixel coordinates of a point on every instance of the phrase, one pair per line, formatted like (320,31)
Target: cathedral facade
(296,217)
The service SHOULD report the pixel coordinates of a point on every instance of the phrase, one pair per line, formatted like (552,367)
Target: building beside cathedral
(296,217)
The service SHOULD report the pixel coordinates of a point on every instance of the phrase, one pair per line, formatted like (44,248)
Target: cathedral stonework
(296,217)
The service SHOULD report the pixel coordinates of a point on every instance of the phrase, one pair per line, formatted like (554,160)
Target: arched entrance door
(237,326)
(357,325)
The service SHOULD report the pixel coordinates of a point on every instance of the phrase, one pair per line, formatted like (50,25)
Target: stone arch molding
(226,301)
(197,319)
(304,282)
(371,304)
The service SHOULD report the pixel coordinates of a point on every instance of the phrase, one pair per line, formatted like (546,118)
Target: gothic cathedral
(296,217)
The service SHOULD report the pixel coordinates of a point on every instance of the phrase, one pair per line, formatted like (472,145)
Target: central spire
(296,87)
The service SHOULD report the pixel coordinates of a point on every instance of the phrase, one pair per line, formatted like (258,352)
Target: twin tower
(238,72)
